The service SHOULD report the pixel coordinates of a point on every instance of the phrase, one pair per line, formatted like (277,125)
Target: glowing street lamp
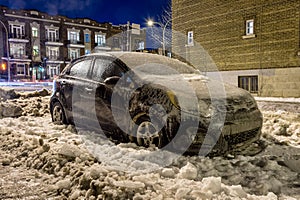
(163,26)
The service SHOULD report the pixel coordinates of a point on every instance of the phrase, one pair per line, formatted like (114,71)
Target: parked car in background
(122,93)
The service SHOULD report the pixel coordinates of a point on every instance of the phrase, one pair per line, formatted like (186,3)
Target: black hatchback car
(153,100)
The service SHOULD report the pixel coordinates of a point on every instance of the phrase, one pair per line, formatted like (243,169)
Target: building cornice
(86,26)
(32,18)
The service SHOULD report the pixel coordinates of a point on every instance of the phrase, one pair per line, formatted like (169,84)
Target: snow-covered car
(145,99)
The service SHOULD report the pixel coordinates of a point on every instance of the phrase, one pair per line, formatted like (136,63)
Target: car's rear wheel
(58,116)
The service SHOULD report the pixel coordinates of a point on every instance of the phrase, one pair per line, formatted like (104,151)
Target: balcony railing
(100,44)
(53,57)
(16,36)
(19,56)
(52,40)
(74,42)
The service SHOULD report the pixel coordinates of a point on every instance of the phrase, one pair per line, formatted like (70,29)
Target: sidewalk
(48,83)
(278,99)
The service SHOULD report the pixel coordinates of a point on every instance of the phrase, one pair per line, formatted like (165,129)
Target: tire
(58,115)
(147,134)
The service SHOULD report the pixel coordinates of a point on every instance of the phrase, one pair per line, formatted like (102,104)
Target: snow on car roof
(135,59)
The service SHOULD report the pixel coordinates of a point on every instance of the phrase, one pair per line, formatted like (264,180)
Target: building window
(74,53)
(52,53)
(17,50)
(20,69)
(87,38)
(53,71)
(250,27)
(100,40)
(116,42)
(141,45)
(34,31)
(52,35)
(35,51)
(190,38)
(73,36)
(249,83)
(17,31)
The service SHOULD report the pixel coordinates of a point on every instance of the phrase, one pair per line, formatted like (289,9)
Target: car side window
(81,68)
(104,68)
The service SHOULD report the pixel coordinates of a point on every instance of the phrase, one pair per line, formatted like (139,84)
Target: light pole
(163,26)
(7,52)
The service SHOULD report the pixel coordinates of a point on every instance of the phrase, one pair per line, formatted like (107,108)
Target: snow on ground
(78,164)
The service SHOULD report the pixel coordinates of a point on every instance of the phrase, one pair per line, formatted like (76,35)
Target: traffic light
(3,66)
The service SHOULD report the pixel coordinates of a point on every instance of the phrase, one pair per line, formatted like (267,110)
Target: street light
(163,26)
(7,52)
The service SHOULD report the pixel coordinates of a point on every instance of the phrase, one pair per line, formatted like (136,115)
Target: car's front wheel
(147,133)
(58,116)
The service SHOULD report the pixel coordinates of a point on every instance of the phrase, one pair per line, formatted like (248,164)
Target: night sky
(114,11)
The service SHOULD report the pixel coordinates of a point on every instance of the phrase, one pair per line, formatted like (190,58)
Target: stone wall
(220,28)
(278,82)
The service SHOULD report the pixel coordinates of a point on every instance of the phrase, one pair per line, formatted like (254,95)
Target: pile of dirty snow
(78,163)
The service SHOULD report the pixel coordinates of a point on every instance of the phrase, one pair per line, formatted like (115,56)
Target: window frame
(190,38)
(110,61)
(251,84)
(80,60)
(34,32)
(52,52)
(52,34)
(35,50)
(250,27)
(21,71)
(100,39)
(17,30)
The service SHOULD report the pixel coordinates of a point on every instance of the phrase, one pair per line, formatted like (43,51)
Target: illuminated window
(34,31)
(250,27)
(100,40)
(17,50)
(190,38)
(35,51)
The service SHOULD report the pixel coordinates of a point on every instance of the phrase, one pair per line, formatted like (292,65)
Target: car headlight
(173,98)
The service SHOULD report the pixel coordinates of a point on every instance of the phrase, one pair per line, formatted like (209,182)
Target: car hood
(212,95)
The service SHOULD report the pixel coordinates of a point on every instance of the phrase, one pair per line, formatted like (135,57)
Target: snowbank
(83,164)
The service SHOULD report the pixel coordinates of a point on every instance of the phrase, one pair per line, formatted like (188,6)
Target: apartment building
(254,44)
(37,46)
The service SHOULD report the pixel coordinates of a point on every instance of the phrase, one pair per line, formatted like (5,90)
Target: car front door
(106,73)
(75,87)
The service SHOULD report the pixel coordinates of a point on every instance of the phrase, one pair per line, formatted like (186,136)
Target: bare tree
(162,34)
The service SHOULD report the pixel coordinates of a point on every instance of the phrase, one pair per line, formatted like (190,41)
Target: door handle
(88,89)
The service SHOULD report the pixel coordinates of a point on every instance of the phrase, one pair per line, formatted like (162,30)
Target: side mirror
(112,80)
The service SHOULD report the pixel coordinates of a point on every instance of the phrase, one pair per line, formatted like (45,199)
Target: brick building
(254,44)
(40,45)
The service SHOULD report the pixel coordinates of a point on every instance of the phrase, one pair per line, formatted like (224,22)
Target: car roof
(135,59)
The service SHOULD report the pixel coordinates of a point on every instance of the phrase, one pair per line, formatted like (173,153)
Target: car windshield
(155,64)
